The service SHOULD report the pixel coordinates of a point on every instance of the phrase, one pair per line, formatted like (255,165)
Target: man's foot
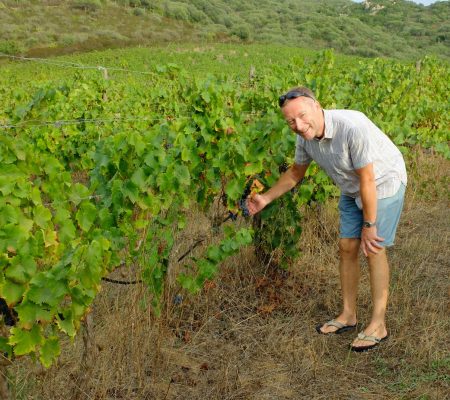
(337,325)
(371,337)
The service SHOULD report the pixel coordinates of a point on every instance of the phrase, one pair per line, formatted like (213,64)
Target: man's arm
(286,182)
(369,237)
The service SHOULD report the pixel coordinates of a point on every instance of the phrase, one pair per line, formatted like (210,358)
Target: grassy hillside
(376,28)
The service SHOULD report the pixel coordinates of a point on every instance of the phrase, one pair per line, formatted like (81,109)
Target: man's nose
(299,124)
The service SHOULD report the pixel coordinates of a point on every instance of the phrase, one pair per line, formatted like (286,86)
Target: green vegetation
(399,29)
(98,173)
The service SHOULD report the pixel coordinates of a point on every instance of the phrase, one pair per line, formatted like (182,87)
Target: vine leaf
(25,341)
(86,215)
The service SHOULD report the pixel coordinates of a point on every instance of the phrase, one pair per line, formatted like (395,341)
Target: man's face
(305,117)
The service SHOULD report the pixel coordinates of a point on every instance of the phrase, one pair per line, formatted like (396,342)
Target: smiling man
(371,174)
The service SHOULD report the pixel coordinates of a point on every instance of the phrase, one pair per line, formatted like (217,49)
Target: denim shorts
(388,215)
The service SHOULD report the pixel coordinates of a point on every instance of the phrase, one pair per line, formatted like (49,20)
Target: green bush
(241,31)
(10,47)
(68,39)
(87,5)
(195,15)
(176,11)
(139,11)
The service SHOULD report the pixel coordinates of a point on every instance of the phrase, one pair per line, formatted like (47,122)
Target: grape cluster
(9,314)
(243,207)
(243,200)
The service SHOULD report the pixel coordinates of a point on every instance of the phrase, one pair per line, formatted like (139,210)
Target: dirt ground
(250,334)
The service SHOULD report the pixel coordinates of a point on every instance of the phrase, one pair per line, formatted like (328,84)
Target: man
(371,174)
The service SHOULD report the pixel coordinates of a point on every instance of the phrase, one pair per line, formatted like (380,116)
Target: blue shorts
(388,215)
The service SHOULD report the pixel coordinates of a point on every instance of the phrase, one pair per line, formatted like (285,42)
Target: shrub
(67,39)
(87,5)
(241,31)
(139,11)
(10,47)
(196,15)
(176,11)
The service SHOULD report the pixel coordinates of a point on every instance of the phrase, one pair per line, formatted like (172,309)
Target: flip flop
(376,342)
(341,327)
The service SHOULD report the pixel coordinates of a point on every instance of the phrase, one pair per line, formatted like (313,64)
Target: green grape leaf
(15,236)
(11,292)
(244,236)
(215,254)
(41,216)
(206,269)
(35,196)
(67,324)
(50,293)
(86,215)
(78,193)
(6,185)
(27,313)
(67,231)
(131,191)
(25,341)
(189,283)
(52,167)
(21,268)
(49,351)
(9,215)
(136,140)
(139,178)
(181,173)
(253,168)
(234,189)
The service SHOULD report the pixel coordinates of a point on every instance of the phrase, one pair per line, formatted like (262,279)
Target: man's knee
(349,248)
(379,256)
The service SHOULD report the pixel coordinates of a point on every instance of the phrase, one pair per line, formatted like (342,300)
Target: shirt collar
(329,128)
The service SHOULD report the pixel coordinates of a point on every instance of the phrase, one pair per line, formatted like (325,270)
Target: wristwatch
(367,224)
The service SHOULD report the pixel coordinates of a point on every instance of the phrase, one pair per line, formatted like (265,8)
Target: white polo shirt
(351,141)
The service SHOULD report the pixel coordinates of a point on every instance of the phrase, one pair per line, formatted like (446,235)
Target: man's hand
(256,203)
(369,241)
(287,181)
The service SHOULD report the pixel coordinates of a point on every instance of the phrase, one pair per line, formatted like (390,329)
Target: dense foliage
(373,28)
(98,173)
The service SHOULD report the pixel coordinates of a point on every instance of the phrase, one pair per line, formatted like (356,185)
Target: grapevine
(113,184)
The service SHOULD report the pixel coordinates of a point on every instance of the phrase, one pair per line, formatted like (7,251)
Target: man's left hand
(369,241)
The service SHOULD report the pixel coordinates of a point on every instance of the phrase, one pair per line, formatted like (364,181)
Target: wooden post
(104,72)
(105,77)
(252,73)
(418,65)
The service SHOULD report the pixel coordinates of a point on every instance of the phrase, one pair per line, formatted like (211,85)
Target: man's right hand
(256,203)
(286,182)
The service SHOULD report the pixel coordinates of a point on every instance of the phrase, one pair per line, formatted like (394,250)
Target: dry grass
(250,334)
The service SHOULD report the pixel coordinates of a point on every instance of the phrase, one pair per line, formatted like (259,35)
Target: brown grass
(250,334)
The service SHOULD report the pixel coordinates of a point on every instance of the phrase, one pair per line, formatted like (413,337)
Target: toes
(328,329)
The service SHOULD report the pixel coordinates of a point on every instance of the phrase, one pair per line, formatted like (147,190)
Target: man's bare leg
(349,273)
(379,285)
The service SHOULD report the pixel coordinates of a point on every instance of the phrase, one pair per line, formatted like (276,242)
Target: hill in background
(393,28)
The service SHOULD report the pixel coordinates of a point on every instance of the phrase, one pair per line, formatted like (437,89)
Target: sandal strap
(335,323)
(363,336)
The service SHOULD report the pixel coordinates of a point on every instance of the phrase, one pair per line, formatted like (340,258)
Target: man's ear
(317,105)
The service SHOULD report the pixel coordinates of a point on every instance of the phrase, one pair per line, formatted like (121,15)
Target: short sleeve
(359,144)
(301,156)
